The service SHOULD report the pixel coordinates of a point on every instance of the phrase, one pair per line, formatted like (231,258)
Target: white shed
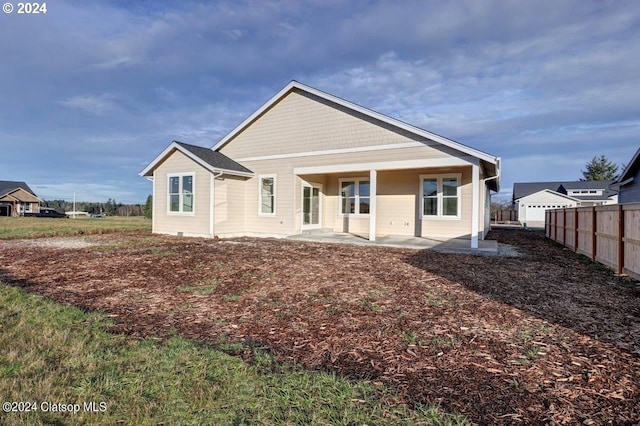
(532,208)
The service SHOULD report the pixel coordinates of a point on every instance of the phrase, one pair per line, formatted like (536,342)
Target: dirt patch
(53,243)
(542,338)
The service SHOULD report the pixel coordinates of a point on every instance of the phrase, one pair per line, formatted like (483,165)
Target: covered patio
(453,245)
(398,203)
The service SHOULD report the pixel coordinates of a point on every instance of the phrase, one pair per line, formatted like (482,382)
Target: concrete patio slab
(457,245)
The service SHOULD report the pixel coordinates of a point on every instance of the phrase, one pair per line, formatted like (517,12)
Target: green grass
(60,354)
(34,227)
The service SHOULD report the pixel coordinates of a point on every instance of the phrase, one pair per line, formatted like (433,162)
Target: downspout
(484,181)
(212,202)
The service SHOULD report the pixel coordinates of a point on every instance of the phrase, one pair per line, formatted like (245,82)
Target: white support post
(475,204)
(373,189)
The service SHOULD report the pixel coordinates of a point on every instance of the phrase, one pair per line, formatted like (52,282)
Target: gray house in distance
(628,184)
(532,199)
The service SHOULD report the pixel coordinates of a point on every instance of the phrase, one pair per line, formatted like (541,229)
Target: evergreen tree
(148,207)
(600,169)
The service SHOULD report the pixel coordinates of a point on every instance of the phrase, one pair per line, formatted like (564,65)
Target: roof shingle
(214,158)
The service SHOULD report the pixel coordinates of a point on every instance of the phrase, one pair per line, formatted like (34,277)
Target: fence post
(564,226)
(594,224)
(575,229)
(547,223)
(620,239)
(555,225)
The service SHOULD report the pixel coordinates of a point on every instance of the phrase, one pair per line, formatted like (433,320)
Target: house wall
(305,127)
(485,216)
(229,205)
(630,193)
(398,203)
(302,130)
(196,224)
(301,122)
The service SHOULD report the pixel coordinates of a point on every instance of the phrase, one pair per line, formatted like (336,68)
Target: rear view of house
(308,160)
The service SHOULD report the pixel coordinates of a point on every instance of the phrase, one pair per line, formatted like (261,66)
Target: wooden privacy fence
(607,234)
(508,215)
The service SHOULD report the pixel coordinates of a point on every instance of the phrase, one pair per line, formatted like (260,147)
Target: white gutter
(497,176)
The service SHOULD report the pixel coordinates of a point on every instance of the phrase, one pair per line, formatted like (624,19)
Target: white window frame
(180,177)
(275,194)
(440,197)
(356,181)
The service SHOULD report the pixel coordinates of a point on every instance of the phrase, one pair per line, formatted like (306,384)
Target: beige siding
(229,209)
(398,199)
(398,202)
(294,127)
(452,228)
(302,123)
(197,224)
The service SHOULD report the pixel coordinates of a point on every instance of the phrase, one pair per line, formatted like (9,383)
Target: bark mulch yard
(542,338)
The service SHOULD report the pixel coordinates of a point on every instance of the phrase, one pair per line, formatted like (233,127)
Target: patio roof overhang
(388,165)
(374,168)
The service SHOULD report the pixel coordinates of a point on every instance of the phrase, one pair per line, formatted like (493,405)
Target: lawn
(545,337)
(30,227)
(53,355)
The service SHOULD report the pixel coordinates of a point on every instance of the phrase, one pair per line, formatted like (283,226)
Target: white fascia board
(636,157)
(568,197)
(336,151)
(275,98)
(164,154)
(388,165)
(365,111)
(175,146)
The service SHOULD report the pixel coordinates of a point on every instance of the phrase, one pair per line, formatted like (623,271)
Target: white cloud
(93,104)
(519,79)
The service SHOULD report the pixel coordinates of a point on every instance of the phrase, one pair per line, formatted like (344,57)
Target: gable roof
(587,184)
(523,189)
(556,193)
(7,186)
(629,172)
(295,85)
(212,160)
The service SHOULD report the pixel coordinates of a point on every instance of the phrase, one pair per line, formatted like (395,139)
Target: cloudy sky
(92,91)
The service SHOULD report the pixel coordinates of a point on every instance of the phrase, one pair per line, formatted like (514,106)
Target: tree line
(110,208)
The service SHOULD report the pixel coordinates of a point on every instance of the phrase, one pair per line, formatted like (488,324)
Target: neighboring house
(16,199)
(309,160)
(628,184)
(532,199)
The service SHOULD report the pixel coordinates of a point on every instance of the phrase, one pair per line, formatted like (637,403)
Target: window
(355,196)
(441,196)
(267,194)
(181,193)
